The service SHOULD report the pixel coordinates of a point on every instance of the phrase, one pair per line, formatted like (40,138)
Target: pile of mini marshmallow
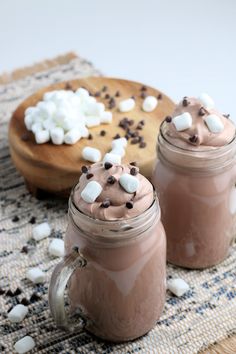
(213,121)
(64,116)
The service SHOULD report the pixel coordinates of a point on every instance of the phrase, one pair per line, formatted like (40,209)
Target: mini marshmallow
(206,101)
(42,136)
(106,117)
(177,286)
(92,121)
(149,103)
(30,110)
(183,121)
(48,124)
(95,109)
(41,231)
(24,345)
(118,150)
(56,247)
(83,93)
(18,313)
(72,136)
(119,142)
(28,121)
(36,275)
(91,154)
(84,131)
(112,158)
(90,193)
(214,123)
(57,135)
(37,126)
(129,183)
(127,105)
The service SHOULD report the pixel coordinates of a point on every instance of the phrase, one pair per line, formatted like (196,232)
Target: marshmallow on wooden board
(214,123)
(48,124)
(84,131)
(57,135)
(41,231)
(18,313)
(91,154)
(126,105)
(95,109)
(206,101)
(183,121)
(177,286)
(56,247)
(112,158)
(24,345)
(118,150)
(119,142)
(129,183)
(28,119)
(72,136)
(90,193)
(36,275)
(106,117)
(83,93)
(36,126)
(149,103)
(92,121)
(42,136)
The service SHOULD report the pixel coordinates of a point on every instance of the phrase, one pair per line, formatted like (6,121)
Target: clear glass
(197,194)
(117,279)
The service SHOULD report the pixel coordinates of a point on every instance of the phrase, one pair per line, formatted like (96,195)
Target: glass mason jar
(116,273)
(197,194)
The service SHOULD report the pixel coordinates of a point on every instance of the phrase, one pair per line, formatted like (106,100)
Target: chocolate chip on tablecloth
(15,218)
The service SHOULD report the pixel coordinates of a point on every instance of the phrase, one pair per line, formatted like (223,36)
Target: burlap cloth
(203,316)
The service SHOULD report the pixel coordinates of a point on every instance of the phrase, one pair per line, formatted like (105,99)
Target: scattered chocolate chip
(226,116)
(107,96)
(131,122)
(139,127)
(15,218)
(201,111)
(24,249)
(84,169)
(2,291)
(159,97)
(143,95)
(193,139)
(89,175)
(106,203)
(97,94)
(134,141)
(34,297)
(133,171)
(143,88)
(117,136)
(104,89)
(127,136)
(134,134)
(140,138)
(117,94)
(133,97)
(68,86)
(168,119)
(142,145)
(112,103)
(18,291)
(142,122)
(10,293)
(90,137)
(185,102)
(32,220)
(129,205)
(25,137)
(25,302)
(107,165)
(102,132)
(111,180)
(133,163)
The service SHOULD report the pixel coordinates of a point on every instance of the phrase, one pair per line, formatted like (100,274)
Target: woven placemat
(205,315)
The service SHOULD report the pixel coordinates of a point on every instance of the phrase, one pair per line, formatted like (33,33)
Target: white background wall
(182,47)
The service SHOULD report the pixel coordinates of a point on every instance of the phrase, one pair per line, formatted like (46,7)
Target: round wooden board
(57,168)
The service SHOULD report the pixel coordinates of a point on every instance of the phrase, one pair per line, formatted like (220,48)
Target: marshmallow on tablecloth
(126,105)
(90,193)
(18,313)
(177,286)
(36,275)
(41,231)
(214,123)
(56,247)
(183,121)
(206,101)
(149,103)
(119,142)
(129,183)
(91,154)
(24,345)
(112,158)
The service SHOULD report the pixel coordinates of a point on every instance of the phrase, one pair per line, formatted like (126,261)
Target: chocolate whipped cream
(114,202)
(198,136)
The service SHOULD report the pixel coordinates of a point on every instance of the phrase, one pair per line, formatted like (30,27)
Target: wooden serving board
(56,168)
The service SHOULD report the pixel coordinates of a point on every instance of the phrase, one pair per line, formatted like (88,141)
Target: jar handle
(59,279)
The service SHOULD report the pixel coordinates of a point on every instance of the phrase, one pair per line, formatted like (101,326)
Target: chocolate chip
(90,137)
(111,180)
(105,204)
(34,297)
(97,94)
(104,89)
(112,103)
(24,249)
(107,96)
(135,134)
(139,127)
(226,116)
(2,291)
(89,175)
(84,169)
(135,141)
(127,136)
(102,132)
(193,139)
(32,220)
(25,302)
(168,119)
(18,291)
(143,95)
(201,111)
(185,102)
(129,205)
(133,97)
(10,293)
(133,163)
(142,122)
(107,165)
(143,88)
(159,97)
(117,136)
(117,94)
(133,171)
(131,122)
(142,145)
(15,218)
(68,86)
